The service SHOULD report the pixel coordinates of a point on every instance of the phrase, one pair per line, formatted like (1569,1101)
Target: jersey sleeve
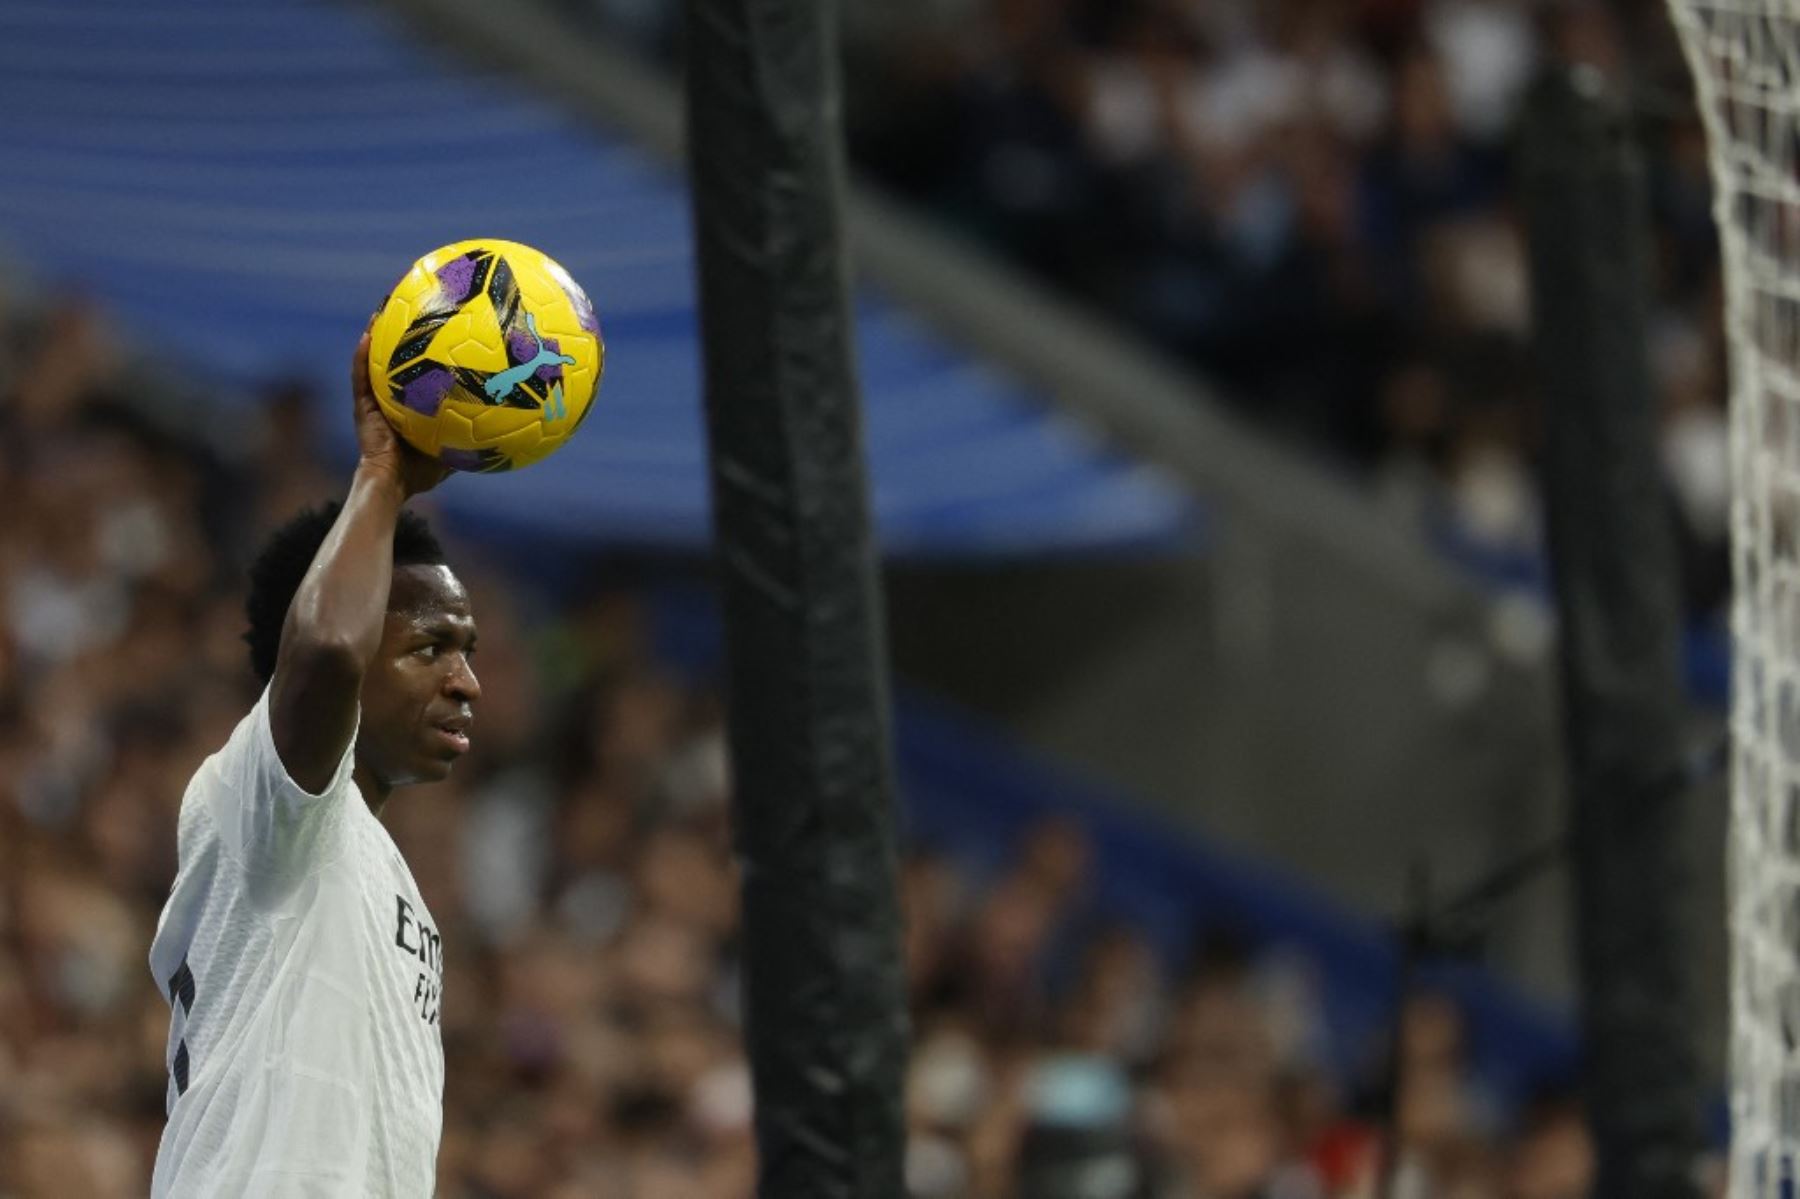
(270,824)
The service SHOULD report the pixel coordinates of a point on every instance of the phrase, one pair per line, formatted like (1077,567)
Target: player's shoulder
(250,736)
(214,769)
(224,766)
(242,738)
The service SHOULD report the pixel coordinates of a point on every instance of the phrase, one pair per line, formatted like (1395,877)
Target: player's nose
(461,684)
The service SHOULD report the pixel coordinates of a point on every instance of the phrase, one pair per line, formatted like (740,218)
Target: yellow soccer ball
(486,355)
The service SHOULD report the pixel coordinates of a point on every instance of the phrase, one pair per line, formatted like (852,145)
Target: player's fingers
(359,369)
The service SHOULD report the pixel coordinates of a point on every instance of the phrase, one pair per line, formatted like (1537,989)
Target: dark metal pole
(1614,561)
(806,660)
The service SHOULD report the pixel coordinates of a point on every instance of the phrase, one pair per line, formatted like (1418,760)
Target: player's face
(420,692)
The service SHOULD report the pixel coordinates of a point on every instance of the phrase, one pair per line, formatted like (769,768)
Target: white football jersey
(304,978)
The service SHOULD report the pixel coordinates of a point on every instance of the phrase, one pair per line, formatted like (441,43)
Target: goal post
(1745,59)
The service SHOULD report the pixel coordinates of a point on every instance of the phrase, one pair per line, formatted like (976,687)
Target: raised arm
(333,627)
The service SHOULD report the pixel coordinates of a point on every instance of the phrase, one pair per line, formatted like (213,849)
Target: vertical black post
(807,676)
(1613,556)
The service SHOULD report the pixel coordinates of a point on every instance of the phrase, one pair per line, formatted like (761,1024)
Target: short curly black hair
(281,565)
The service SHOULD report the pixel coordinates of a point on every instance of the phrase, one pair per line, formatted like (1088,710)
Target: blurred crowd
(579,868)
(1313,202)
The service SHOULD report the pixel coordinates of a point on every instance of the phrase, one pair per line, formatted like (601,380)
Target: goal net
(1745,58)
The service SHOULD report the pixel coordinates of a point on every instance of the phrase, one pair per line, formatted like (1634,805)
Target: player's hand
(382,447)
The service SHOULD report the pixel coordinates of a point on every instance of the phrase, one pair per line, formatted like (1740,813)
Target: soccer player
(303,971)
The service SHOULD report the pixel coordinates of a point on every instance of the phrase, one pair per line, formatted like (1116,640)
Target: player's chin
(436,770)
(437,759)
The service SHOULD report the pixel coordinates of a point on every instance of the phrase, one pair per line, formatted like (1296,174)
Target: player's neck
(373,792)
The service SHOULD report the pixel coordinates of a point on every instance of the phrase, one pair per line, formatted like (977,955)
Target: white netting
(1745,56)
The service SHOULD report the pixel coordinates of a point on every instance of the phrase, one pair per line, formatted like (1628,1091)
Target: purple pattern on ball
(460,459)
(550,372)
(521,348)
(424,394)
(454,278)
